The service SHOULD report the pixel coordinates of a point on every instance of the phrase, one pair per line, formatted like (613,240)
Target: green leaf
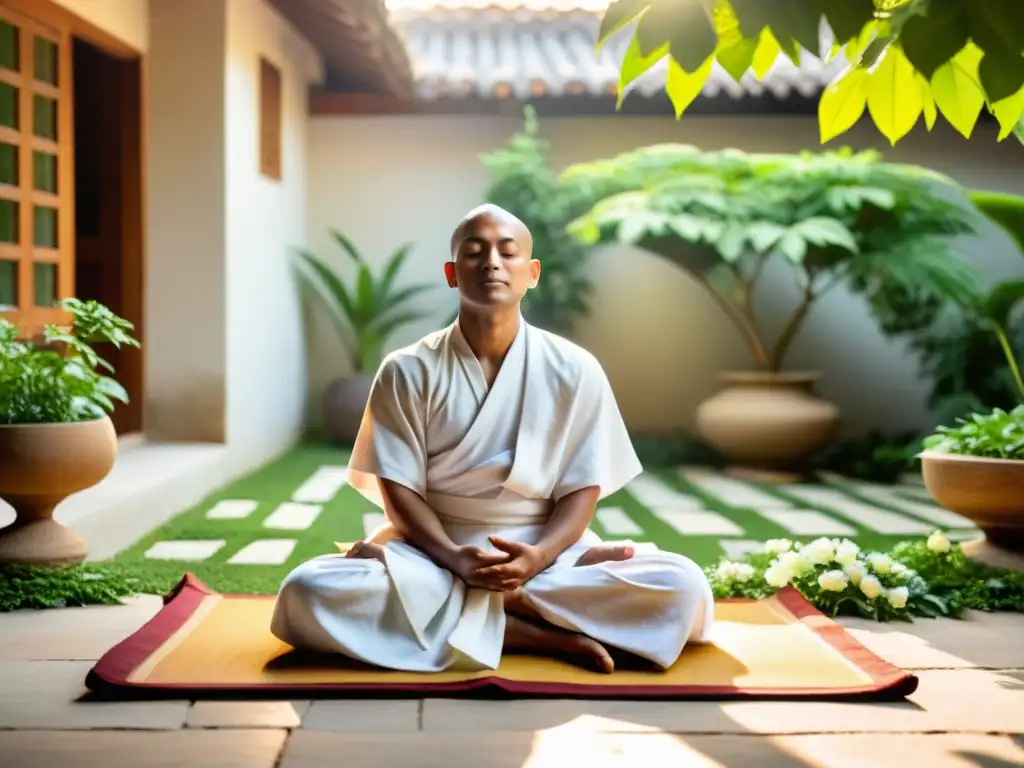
(842,103)
(823,231)
(931,113)
(763,235)
(846,18)
(323,279)
(347,245)
(619,14)
(1001,73)
(793,246)
(366,296)
(683,87)
(635,64)
(766,53)
(894,98)
(997,26)
(735,52)
(1003,300)
(931,41)
(731,244)
(392,268)
(692,36)
(1008,113)
(957,91)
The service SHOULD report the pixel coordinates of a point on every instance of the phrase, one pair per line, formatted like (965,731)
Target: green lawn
(341,519)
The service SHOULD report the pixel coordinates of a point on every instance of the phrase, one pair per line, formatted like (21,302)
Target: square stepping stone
(738,549)
(264,552)
(616,522)
(866,515)
(922,508)
(292,516)
(808,522)
(698,522)
(733,492)
(190,550)
(231,509)
(651,491)
(322,486)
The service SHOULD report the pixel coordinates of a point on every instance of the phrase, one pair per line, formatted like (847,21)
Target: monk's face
(493,261)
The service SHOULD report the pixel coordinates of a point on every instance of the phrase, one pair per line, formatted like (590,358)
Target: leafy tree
(908,60)
(834,217)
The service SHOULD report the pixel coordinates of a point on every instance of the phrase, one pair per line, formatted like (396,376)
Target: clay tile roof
(362,51)
(500,49)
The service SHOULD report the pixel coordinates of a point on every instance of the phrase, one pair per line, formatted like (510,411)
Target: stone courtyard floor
(968,711)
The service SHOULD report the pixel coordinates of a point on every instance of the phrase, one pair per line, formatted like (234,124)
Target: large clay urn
(767,421)
(40,466)
(344,401)
(990,493)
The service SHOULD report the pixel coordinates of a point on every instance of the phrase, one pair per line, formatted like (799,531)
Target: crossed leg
(525,630)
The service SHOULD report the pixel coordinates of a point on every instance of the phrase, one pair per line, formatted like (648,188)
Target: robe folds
(489,462)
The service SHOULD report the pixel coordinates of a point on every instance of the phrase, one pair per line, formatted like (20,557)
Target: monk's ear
(449,274)
(534,272)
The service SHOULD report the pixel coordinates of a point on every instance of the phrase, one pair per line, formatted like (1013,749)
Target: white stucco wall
(266,220)
(225,359)
(127,20)
(384,180)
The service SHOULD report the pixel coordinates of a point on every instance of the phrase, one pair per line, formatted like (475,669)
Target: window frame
(29,318)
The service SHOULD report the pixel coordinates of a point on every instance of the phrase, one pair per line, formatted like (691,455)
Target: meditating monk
(488,445)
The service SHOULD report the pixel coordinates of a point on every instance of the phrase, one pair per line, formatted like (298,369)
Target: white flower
(729,571)
(744,572)
(871,587)
(833,581)
(794,562)
(938,543)
(899,569)
(777,546)
(819,551)
(897,597)
(778,575)
(880,563)
(855,571)
(846,552)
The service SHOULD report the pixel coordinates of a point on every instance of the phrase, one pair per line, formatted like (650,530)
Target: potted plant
(976,467)
(365,314)
(56,437)
(834,217)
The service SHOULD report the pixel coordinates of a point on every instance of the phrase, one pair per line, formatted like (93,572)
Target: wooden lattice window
(270,120)
(36,181)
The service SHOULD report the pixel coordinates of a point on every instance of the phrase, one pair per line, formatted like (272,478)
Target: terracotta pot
(344,401)
(990,493)
(770,421)
(40,466)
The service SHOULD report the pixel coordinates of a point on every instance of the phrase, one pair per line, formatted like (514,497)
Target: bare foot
(364,550)
(605,553)
(525,637)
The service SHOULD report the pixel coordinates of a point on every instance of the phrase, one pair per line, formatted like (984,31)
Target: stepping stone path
(690,503)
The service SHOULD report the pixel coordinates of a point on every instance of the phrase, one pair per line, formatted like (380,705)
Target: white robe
(489,463)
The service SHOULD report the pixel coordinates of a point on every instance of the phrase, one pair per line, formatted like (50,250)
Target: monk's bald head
(495,214)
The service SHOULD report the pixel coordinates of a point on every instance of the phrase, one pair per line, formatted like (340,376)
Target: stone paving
(968,711)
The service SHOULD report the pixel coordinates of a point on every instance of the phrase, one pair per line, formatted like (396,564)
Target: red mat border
(112,673)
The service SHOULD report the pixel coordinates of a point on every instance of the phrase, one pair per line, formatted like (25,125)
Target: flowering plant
(838,577)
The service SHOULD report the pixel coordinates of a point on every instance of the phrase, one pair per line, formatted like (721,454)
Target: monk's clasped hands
(522,562)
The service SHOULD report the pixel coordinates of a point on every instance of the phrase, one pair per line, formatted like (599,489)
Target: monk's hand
(469,560)
(524,562)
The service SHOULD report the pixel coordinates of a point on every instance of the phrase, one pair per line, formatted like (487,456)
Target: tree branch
(749,332)
(792,327)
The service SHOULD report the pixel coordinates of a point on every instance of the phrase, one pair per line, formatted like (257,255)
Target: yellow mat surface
(778,647)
